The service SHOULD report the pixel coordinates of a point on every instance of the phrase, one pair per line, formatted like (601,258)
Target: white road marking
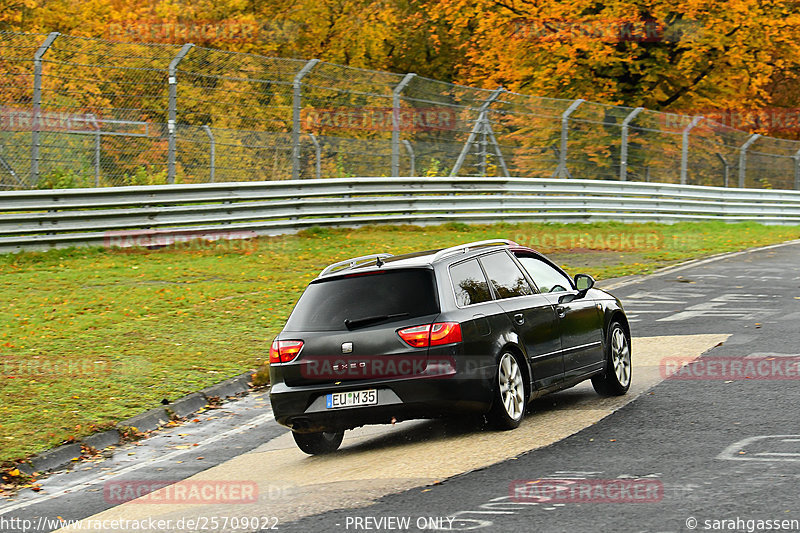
(101,476)
(716,307)
(734,451)
(693,263)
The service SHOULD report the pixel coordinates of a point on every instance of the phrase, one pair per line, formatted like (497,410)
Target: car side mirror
(583,282)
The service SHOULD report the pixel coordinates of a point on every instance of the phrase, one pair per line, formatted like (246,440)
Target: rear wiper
(367,320)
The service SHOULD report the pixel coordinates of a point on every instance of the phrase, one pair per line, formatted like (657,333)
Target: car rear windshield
(361,300)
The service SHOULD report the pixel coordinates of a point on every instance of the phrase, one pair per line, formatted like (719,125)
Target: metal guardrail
(42,219)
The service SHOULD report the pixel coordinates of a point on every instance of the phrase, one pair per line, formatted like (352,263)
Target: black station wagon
(478,328)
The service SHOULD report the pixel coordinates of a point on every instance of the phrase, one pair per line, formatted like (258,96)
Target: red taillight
(284,351)
(431,334)
(445,333)
(417,336)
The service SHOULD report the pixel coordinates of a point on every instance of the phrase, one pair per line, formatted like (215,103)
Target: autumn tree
(663,55)
(683,55)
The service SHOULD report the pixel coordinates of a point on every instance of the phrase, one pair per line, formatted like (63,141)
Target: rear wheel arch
(527,374)
(510,394)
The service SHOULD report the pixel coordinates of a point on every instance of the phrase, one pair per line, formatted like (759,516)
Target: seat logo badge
(347,347)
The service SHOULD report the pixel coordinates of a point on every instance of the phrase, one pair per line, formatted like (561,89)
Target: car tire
(318,443)
(510,398)
(616,380)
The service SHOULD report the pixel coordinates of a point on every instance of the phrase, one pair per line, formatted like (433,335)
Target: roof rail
(352,263)
(464,248)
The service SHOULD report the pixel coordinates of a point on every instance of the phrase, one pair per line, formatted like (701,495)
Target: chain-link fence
(78,112)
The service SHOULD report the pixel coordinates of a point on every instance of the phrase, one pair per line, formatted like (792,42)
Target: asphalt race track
(715,447)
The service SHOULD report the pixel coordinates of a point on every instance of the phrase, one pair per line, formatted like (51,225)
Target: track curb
(61,457)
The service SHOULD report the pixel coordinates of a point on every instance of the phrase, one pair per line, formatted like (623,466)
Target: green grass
(92,336)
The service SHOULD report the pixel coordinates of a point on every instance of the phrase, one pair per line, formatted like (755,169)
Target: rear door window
(365,299)
(469,283)
(505,275)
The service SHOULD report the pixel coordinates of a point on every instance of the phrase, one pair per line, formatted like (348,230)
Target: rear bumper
(303,409)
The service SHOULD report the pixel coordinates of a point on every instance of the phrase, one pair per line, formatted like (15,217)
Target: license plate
(357,398)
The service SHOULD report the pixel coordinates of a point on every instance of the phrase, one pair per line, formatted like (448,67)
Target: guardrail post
(685,148)
(478,127)
(396,123)
(173,110)
(743,157)
(318,153)
(411,157)
(796,158)
(726,168)
(296,105)
(37,103)
(561,170)
(212,153)
(623,156)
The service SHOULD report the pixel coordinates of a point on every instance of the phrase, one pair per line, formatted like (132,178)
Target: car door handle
(519,318)
(562,311)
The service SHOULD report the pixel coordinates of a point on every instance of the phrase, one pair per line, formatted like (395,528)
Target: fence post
(796,158)
(318,153)
(96,151)
(37,103)
(396,123)
(685,148)
(726,168)
(412,158)
(743,157)
(561,170)
(478,127)
(173,110)
(623,156)
(212,154)
(296,104)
